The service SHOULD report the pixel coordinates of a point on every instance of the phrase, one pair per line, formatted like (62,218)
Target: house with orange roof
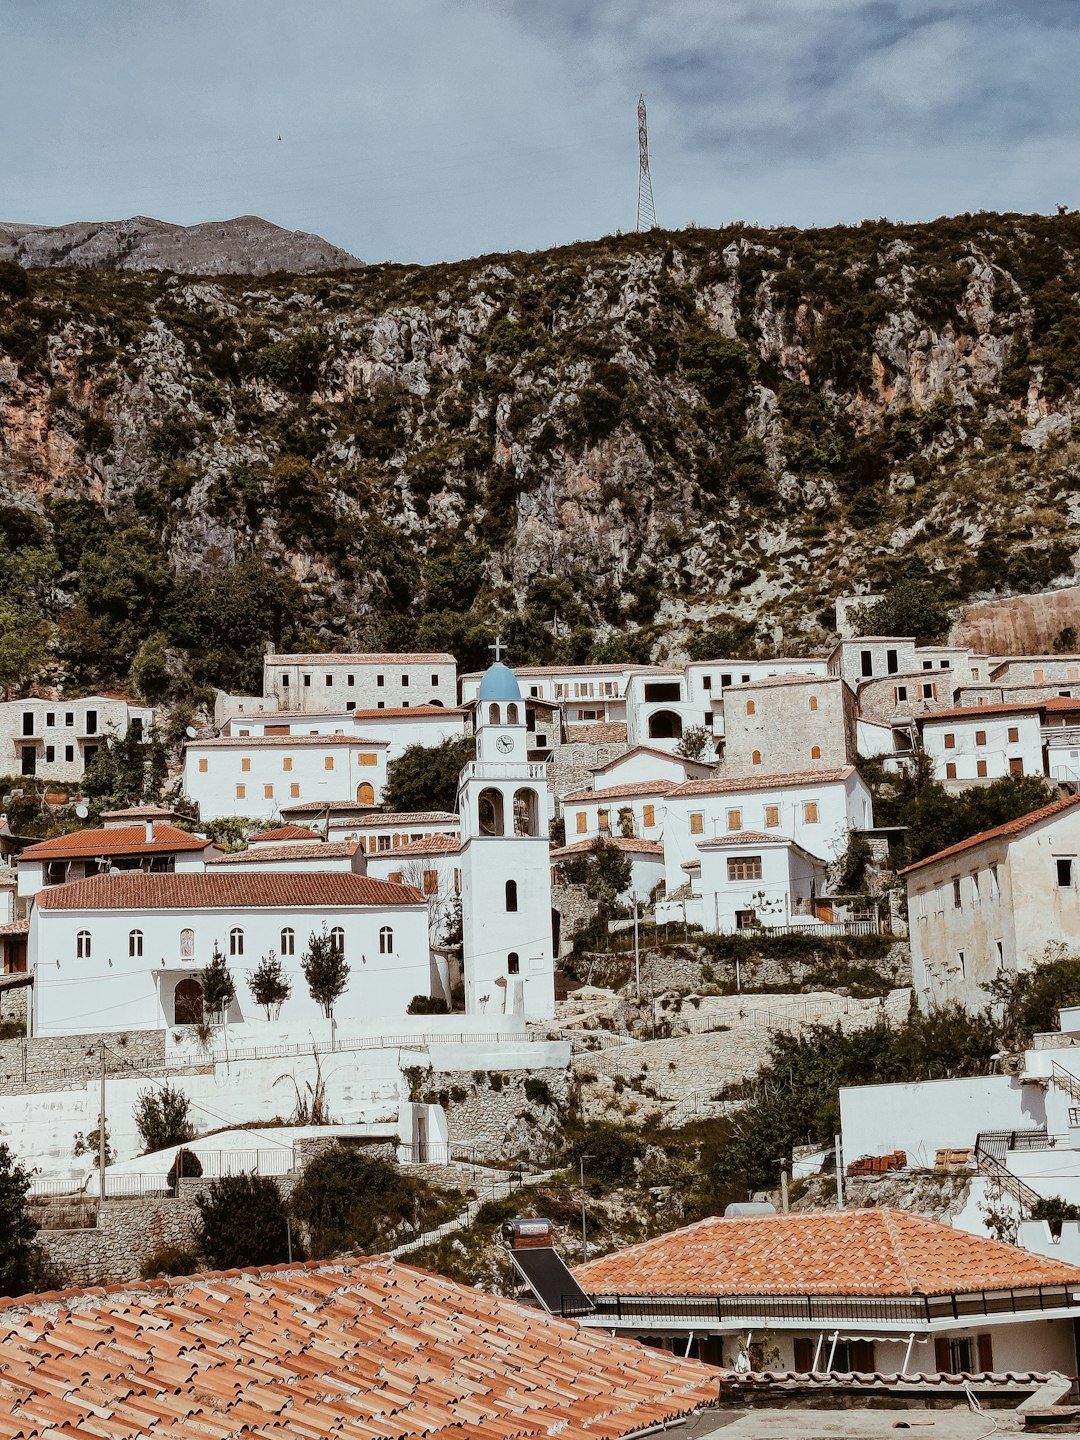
(260,775)
(123,952)
(400,725)
(354,1348)
(151,847)
(877,1290)
(994,903)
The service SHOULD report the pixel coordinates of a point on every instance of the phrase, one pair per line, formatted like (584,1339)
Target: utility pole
(839,1173)
(646,210)
(101,1132)
(584,1236)
(637,952)
(784,1205)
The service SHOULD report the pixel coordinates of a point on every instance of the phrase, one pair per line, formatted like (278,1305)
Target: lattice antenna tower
(646,210)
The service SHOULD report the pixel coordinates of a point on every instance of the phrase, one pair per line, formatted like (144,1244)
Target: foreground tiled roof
(720,786)
(117,840)
(999,832)
(364,1349)
(745,837)
(267,854)
(836,1252)
(618,792)
(620,842)
(215,891)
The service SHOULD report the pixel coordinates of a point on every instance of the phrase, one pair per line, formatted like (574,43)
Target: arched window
(665,725)
(365,793)
(187,944)
(526,813)
(751,708)
(82,945)
(236,941)
(337,940)
(511,715)
(513,964)
(288,941)
(135,939)
(813,702)
(756,757)
(187,1002)
(815,752)
(386,941)
(493,714)
(489,806)
(511,895)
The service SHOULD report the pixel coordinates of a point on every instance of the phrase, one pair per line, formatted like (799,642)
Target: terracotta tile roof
(999,832)
(319,807)
(405,818)
(420,657)
(258,742)
(762,782)
(1061,702)
(616,792)
(283,832)
(745,837)
(115,840)
(977,712)
(354,1348)
(621,842)
(834,1252)
(266,854)
(16,927)
(430,845)
(214,891)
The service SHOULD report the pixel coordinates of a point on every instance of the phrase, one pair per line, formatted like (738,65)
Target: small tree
(17,1228)
(269,987)
(694,744)
(605,873)
(243,1222)
(186,1165)
(162,1117)
(216,983)
(325,970)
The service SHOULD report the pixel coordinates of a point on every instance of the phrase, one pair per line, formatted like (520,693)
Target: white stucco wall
(995,751)
(281,772)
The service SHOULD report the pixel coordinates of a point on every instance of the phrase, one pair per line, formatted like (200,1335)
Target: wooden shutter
(942,1354)
(804,1354)
(862,1356)
(985,1344)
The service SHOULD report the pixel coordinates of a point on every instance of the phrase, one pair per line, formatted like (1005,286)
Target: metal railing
(421,1040)
(990,1149)
(713,1310)
(1065,1080)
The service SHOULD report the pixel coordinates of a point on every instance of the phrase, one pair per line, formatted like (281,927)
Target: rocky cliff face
(247,245)
(620,448)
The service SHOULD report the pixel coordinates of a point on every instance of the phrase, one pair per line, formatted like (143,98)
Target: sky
(424,130)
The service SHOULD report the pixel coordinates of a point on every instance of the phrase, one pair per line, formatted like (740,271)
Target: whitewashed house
(153,847)
(645,763)
(749,879)
(122,952)
(340,682)
(982,742)
(57,739)
(645,857)
(994,903)
(585,694)
(659,710)
(261,776)
(629,808)
(397,728)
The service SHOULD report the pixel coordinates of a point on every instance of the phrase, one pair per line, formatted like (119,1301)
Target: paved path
(493,1190)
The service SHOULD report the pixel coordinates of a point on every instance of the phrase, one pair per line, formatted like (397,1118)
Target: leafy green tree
(23,638)
(163,1117)
(912,607)
(243,1221)
(127,770)
(14,281)
(1030,999)
(425,777)
(346,1200)
(268,983)
(937,818)
(604,871)
(695,743)
(217,985)
(325,970)
(17,1228)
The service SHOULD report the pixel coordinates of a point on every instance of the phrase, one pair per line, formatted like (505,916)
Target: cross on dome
(497,649)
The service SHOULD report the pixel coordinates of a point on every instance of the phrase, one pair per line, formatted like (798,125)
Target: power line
(646,210)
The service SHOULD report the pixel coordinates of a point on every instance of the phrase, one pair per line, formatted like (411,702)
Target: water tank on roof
(525,1234)
(750,1207)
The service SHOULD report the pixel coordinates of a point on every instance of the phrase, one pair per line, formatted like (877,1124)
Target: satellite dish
(82,810)
(191,732)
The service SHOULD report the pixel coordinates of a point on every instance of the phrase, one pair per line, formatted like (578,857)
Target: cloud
(430,129)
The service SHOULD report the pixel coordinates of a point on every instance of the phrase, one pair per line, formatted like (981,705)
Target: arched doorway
(365,793)
(187,1002)
(489,807)
(665,725)
(526,813)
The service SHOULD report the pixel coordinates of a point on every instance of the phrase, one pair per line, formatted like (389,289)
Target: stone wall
(57,1062)
(571,766)
(128,1233)
(15,1004)
(500,1119)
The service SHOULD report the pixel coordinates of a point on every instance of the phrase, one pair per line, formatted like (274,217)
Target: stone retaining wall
(14,1004)
(502,1123)
(68,1061)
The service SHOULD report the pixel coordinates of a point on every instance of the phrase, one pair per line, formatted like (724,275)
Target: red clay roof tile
(1010,828)
(115,840)
(213,890)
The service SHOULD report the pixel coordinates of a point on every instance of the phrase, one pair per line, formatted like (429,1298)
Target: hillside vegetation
(671,443)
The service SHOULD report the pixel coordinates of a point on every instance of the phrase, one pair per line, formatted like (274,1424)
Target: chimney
(149,832)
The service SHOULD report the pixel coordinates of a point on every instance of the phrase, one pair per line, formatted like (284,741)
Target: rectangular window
(434,682)
(268,792)
(772,817)
(950,741)
(294,791)
(91,722)
(1037,676)
(286,763)
(350,679)
(204,765)
(744,867)
(367,758)
(431,882)
(892,664)
(866,660)
(404,679)
(810,812)
(648,816)
(706,682)
(734,819)
(929,692)
(1064,870)
(50,754)
(69,753)
(975,885)
(582,822)
(697,823)
(927,664)
(1014,735)
(50,718)
(307,679)
(1016,765)
(245,765)
(328,762)
(960,963)
(284,682)
(725,681)
(69,718)
(380,705)
(329,679)
(950,770)
(901,692)
(994,886)
(980,769)
(241,792)
(28,722)
(980,737)
(957,898)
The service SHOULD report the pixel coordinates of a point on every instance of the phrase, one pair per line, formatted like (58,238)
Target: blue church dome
(499,683)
